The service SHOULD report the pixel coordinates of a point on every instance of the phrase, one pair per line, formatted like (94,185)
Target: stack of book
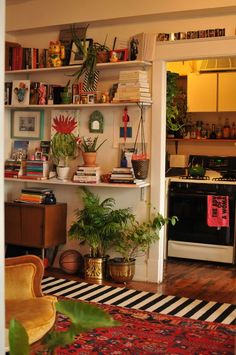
(122,176)
(146,44)
(34,195)
(13,168)
(87,175)
(133,86)
(36,169)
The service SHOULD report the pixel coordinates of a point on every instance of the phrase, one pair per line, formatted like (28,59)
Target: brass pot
(121,271)
(95,268)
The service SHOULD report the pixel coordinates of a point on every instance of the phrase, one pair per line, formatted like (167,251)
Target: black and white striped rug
(153,302)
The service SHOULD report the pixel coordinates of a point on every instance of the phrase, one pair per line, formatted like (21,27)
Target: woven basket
(140,168)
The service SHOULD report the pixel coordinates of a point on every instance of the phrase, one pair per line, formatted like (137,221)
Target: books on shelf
(122,175)
(146,44)
(13,168)
(90,175)
(36,169)
(133,86)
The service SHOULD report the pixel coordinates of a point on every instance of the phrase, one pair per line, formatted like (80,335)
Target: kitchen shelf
(55,181)
(199,141)
(118,65)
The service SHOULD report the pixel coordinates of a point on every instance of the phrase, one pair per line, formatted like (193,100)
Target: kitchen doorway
(169,52)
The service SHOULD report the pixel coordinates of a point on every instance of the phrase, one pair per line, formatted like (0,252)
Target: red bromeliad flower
(64,124)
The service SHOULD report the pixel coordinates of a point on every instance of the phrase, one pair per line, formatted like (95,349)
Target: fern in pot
(98,225)
(135,239)
(63,144)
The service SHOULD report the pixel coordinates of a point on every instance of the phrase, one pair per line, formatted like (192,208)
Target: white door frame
(168,52)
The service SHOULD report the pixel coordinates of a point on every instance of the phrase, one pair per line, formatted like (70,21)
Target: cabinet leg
(43,253)
(54,255)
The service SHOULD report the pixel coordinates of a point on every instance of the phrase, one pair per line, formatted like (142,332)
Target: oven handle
(201,195)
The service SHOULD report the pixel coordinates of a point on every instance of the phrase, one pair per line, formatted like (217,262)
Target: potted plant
(93,54)
(89,148)
(64,143)
(134,240)
(176,106)
(98,224)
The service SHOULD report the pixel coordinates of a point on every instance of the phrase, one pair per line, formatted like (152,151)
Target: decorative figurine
(113,57)
(133,49)
(56,53)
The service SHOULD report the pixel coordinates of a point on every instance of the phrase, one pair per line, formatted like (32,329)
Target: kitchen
(201,164)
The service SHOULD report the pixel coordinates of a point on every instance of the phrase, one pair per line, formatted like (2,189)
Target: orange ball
(71,261)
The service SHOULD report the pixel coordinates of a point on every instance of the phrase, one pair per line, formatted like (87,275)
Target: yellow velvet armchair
(24,298)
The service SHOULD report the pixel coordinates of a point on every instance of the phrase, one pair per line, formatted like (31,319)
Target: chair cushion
(37,315)
(19,277)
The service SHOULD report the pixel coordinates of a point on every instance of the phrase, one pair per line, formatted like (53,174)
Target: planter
(95,268)
(121,271)
(103,56)
(63,172)
(140,167)
(89,158)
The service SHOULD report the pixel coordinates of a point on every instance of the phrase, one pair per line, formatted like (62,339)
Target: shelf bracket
(143,194)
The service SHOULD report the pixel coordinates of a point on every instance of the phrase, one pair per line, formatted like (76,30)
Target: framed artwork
(96,122)
(64,119)
(20,92)
(119,54)
(27,124)
(76,56)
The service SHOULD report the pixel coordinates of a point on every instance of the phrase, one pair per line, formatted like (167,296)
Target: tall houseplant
(98,224)
(92,56)
(64,142)
(135,239)
(176,105)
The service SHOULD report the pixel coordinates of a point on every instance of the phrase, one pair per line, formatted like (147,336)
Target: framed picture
(27,124)
(120,54)
(20,92)
(76,56)
(96,122)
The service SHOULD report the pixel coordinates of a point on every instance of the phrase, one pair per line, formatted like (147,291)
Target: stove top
(189,177)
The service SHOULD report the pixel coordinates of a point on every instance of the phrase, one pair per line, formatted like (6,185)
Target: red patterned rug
(151,333)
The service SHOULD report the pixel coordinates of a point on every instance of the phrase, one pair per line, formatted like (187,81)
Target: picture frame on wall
(27,124)
(20,92)
(76,55)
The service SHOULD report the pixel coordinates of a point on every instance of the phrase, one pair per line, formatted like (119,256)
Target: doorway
(169,52)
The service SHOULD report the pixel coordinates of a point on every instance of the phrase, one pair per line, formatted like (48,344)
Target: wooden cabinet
(226,91)
(31,225)
(202,92)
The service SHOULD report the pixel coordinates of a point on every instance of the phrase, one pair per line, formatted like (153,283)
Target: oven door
(191,237)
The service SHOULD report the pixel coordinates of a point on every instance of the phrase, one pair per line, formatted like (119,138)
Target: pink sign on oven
(217,211)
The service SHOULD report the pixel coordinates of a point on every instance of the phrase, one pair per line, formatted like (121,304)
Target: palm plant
(98,223)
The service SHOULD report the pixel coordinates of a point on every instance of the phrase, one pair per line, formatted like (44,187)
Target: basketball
(71,261)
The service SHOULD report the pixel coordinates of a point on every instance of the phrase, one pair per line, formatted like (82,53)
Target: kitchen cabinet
(202,92)
(35,225)
(227,91)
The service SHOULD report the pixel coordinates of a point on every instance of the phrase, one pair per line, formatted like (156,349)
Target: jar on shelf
(226,129)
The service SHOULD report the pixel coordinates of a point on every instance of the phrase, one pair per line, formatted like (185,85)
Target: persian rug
(141,333)
(195,309)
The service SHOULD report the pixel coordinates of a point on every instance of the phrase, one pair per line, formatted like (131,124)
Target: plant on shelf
(89,148)
(83,317)
(64,142)
(135,239)
(92,56)
(98,224)
(176,105)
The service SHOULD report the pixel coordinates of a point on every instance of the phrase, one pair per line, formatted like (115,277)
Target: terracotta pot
(102,56)
(89,158)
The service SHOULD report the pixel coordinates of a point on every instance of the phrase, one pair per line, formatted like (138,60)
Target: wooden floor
(192,279)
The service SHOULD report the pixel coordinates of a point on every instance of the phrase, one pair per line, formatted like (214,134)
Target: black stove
(189,177)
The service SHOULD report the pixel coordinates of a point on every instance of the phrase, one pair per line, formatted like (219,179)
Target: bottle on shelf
(213,131)
(219,129)
(207,130)
(233,131)
(226,129)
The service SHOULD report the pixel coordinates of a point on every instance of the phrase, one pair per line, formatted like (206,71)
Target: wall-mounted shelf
(55,181)
(74,106)
(198,141)
(118,65)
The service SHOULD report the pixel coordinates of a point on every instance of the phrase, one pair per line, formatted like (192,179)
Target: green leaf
(18,339)
(85,316)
